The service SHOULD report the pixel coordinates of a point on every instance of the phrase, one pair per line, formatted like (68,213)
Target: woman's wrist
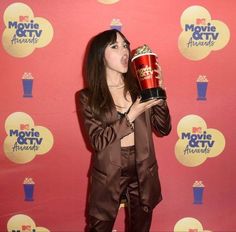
(129,122)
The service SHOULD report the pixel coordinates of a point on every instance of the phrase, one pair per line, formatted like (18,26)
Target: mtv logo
(196,130)
(23,18)
(200,21)
(24,127)
(26,228)
(193,230)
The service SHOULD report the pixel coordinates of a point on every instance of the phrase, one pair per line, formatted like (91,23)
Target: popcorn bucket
(27,87)
(201,90)
(27,81)
(146,69)
(28,186)
(29,192)
(198,188)
(202,83)
(198,194)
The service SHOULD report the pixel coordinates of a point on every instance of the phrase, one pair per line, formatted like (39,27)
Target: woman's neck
(115,81)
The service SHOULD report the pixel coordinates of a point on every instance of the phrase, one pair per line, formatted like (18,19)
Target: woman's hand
(139,107)
(160,76)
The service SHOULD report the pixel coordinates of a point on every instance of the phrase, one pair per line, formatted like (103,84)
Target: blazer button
(145,209)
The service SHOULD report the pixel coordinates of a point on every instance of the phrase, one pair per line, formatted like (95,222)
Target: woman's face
(116,56)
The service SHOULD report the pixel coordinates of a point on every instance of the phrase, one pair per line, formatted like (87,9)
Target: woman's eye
(114,46)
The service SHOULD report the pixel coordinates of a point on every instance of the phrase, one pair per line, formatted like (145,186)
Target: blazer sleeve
(160,119)
(101,134)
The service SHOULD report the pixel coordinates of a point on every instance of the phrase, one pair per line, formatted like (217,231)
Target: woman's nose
(124,51)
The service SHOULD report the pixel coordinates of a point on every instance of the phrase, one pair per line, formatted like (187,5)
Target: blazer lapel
(141,138)
(115,151)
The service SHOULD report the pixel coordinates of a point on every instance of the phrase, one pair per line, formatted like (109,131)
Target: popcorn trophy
(146,68)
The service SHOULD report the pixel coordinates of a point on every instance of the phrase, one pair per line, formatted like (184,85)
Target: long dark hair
(100,99)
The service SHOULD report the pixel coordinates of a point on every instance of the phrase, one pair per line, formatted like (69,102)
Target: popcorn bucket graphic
(202,84)
(116,24)
(28,186)
(27,81)
(201,90)
(146,69)
(29,192)
(198,188)
(27,88)
(198,195)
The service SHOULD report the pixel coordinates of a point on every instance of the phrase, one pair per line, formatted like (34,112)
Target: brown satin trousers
(137,218)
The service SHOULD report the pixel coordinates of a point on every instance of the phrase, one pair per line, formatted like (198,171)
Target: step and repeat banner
(44,159)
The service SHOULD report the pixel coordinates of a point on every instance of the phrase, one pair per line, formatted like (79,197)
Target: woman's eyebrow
(115,42)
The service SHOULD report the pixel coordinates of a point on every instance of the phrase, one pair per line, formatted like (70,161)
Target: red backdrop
(55,63)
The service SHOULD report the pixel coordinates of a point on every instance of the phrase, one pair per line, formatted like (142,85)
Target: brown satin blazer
(105,175)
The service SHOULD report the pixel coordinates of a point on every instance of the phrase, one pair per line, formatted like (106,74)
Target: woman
(119,128)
